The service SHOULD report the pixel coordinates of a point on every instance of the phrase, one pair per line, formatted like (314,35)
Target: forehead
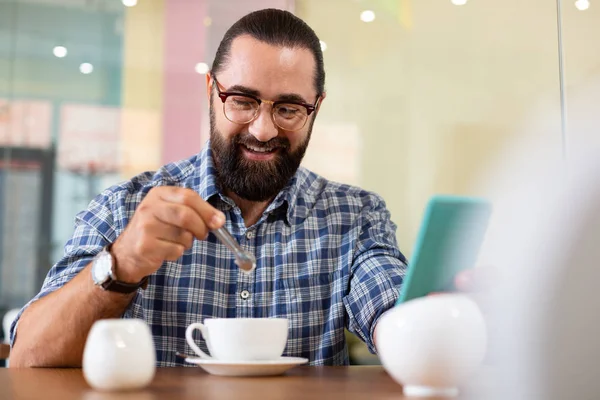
(271,70)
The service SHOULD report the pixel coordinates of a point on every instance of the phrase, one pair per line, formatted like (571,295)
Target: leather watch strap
(118,286)
(122,287)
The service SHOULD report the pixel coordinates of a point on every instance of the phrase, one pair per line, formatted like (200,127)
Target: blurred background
(423,95)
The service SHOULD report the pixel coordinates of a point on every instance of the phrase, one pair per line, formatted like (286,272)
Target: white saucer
(247,368)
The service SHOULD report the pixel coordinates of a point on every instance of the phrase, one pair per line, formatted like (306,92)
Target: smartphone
(449,239)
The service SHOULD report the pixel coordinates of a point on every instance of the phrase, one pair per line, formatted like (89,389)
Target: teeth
(258,149)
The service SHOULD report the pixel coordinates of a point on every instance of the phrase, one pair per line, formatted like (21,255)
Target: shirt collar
(292,199)
(205,181)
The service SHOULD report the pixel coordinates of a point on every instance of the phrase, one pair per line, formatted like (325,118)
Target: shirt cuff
(373,349)
(389,299)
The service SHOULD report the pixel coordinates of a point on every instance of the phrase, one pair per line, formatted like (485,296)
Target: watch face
(101,270)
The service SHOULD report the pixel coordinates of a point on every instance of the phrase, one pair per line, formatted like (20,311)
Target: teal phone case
(449,239)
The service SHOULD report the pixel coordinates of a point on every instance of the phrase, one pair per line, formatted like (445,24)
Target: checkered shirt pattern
(327,259)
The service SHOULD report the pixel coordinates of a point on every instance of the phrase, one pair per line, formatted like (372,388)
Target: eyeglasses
(242,108)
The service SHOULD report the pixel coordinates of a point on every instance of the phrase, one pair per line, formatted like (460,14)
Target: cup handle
(189,337)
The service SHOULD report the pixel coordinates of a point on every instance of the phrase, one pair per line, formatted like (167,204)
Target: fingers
(165,250)
(180,217)
(464,281)
(211,217)
(476,279)
(170,233)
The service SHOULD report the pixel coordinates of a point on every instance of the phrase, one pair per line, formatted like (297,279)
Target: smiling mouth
(260,150)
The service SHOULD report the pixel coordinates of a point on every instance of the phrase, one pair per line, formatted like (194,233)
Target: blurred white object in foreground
(544,239)
(432,345)
(119,354)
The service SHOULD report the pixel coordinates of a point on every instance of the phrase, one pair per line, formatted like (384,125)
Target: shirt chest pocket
(308,303)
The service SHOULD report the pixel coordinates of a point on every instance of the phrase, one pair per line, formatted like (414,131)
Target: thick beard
(253,180)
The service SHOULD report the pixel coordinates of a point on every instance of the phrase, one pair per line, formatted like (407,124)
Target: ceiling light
(582,5)
(367,16)
(86,68)
(59,51)
(202,68)
(459,2)
(207,21)
(129,3)
(323,45)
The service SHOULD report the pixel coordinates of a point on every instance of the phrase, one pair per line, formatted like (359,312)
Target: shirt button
(244,294)
(249,234)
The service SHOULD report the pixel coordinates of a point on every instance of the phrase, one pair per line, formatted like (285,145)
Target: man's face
(257,159)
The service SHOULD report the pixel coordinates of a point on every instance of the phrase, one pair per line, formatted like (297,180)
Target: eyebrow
(244,89)
(291,97)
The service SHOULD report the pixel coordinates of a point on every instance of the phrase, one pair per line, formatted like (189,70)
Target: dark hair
(275,27)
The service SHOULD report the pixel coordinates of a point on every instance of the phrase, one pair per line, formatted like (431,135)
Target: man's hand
(162,228)
(474,280)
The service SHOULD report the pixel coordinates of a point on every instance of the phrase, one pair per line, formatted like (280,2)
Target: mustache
(249,140)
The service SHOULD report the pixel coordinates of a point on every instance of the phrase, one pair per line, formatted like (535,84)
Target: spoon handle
(225,237)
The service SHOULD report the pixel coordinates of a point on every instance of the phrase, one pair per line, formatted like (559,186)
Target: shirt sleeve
(94,229)
(377,271)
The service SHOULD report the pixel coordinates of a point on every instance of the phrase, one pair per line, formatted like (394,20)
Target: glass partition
(580,25)
(422,98)
(433,90)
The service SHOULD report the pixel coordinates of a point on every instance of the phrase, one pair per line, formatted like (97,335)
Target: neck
(251,210)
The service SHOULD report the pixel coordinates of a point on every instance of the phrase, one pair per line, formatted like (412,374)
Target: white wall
(435,102)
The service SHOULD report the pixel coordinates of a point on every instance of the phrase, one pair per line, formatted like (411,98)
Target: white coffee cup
(119,354)
(240,339)
(433,344)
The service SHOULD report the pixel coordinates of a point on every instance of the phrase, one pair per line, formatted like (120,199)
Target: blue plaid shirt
(327,259)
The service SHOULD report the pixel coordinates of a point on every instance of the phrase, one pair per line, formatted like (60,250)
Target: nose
(263,128)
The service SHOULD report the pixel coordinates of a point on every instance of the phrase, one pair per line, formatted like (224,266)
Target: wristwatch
(103,274)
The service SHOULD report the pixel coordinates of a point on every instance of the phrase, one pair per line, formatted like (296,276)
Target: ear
(321,101)
(209,81)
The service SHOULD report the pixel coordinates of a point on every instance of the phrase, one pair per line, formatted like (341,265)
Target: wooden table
(329,383)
